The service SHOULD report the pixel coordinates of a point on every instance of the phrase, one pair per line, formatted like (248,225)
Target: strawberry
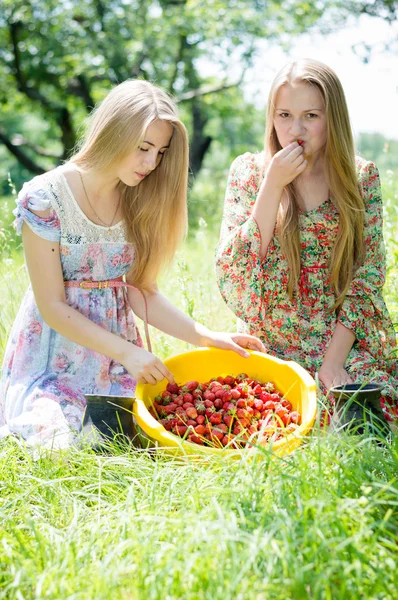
(187,405)
(188,397)
(181,429)
(258,404)
(228,419)
(287,404)
(220,393)
(229,380)
(217,433)
(269,405)
(216,418)
(241,403)
(196,439)
(192,385)
(210,410)
(227,396)
(172,388)
(200,407)
(218,403)
(269,387)
(191,423)
(200,429)
(235,393)
(200,419)
(295,417)
(257,389)
(191,412)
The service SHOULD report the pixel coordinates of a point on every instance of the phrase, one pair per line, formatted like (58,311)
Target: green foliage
(58,59)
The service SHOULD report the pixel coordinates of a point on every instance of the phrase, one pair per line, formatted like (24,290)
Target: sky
(371,89)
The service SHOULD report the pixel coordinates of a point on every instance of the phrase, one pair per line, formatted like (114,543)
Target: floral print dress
(300,329)
(45,376)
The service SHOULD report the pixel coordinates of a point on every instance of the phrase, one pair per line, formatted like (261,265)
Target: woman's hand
(237,342)
(332,374)
(285,166)
(144,366)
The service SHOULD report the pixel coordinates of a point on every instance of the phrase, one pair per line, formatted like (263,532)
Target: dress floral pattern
(45,376)
(300,329)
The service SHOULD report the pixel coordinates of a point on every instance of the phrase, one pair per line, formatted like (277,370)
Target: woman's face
(138,164)
(300,116)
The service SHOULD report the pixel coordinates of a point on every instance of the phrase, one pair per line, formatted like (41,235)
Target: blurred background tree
(58,59)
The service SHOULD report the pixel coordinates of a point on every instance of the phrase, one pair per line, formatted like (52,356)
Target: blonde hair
(340,173)
(155,211)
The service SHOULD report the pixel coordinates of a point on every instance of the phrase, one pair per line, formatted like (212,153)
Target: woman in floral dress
(301,259)
(113,215)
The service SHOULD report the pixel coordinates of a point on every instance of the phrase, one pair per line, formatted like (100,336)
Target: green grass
(321,523)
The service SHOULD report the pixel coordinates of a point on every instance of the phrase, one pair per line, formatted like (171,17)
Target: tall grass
(321,523)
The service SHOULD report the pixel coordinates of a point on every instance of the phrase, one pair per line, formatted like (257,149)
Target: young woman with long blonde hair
(301,259)
(97,232)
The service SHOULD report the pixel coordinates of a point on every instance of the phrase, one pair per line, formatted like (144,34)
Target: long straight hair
(155,211)
(340,173)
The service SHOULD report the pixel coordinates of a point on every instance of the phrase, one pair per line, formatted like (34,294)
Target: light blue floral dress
(45,376)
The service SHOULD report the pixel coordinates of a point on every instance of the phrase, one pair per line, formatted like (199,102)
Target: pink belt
(113,283)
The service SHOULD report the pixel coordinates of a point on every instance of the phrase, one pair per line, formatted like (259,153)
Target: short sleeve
(35,196)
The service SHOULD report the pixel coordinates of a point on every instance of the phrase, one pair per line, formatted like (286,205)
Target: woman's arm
(332,371)
(284,167)
(45,272)
(166,317)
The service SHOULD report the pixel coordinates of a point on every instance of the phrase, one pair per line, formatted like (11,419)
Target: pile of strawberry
(225,411)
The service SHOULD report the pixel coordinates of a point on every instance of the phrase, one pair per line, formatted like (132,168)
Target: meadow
(321,523)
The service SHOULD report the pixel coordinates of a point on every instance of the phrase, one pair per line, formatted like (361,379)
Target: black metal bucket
(358,409)
(112,416)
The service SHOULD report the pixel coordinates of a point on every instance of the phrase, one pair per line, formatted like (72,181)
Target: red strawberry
(192,412)
(200,419)
(200,407)
(200,430)
(192,385)
(229,380)
(210,411)
(258,404)
(181,429)
(209,403)
(218,403)
(235,394)
(295,417)
(187,405)
(228,419)
(172,388)
(287,404)
(257,389)
(192,423)
(188,397)
(196,439)
(216,418)
(227,396)
(269,405)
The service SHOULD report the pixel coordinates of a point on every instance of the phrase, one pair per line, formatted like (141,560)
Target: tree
(57,59)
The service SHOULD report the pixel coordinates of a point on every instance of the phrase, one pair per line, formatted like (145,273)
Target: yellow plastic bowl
(201,365)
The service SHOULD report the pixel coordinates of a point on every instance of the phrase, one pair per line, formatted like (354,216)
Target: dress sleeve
(239,266)
(34,196)
(364,311)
